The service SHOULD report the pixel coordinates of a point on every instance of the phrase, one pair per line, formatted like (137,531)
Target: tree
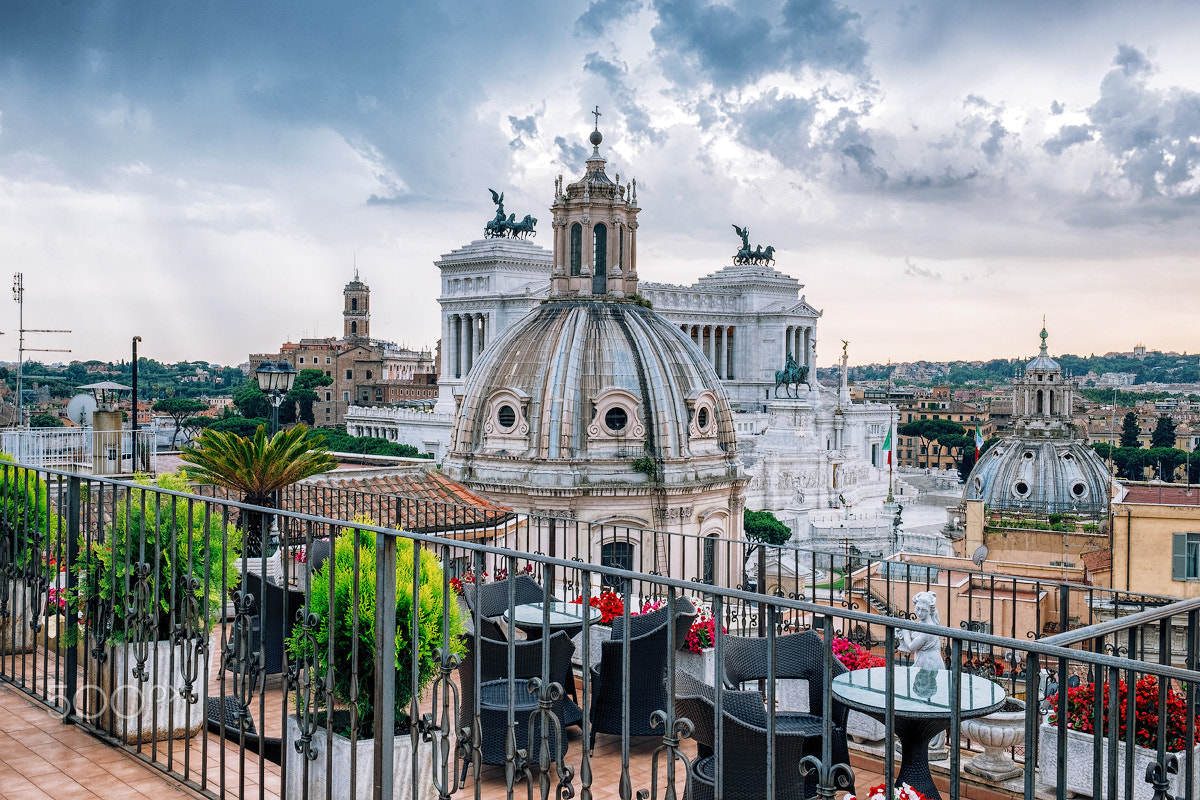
(177,408)
(765,527)
(1164,432)
(304,394)
(1130,430)
(235,423)
(341,442)
(939,432)
(257,468)
(193,425)
(250,400)
(45,421)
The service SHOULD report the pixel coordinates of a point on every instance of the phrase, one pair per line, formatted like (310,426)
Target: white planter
(996,732)
(14,628)
(319,780)
(144,711)
(701,666)
(1079,765)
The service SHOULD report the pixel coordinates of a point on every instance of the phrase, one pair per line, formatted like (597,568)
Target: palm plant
(257,467)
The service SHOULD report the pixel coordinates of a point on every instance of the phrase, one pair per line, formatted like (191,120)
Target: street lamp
(275,380)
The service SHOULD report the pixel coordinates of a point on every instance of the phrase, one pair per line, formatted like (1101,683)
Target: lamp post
(275,380)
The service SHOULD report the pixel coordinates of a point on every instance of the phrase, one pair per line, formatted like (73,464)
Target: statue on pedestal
(926,648)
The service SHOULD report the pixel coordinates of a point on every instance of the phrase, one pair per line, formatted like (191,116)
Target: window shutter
(1178,556)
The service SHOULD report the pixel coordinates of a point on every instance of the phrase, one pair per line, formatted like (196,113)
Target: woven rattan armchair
(492,657)
(744,744)
(649,648)
(491,599)
(799,656)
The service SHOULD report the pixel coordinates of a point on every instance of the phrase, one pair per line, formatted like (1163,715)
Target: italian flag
(887,445)
(978,439)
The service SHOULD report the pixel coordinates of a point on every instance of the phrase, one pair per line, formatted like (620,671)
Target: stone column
(479,324)
(456,325)
(729,359)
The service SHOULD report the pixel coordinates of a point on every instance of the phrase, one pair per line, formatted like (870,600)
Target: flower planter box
(319,782)
(1079,765)
(701,666)
(15,634)
(143,711)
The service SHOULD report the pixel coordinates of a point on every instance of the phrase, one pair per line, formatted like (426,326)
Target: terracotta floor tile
(26,794)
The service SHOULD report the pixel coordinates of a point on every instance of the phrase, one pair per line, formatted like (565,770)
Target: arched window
(354,304)
(710,560)
(576,248)
(621,247)
(353,328)
(599,258)
(615,554)
(1041,408)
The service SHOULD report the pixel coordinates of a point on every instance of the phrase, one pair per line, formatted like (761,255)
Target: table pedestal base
(915,735)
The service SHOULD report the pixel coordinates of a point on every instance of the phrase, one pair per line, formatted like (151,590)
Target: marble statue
(926,648)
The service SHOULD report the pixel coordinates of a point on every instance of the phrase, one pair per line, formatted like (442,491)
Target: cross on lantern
(596,113)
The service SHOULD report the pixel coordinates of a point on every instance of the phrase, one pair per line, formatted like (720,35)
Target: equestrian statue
(759,255)
(790,377)
(500,226)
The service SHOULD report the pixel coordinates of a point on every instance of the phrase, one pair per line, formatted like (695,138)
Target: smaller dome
(1043,362)
(1041,476)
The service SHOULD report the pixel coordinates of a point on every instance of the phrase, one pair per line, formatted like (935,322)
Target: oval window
(702,418)
(616,419)
(1078,489)
(1028,454)
(1021,488)
(506,415)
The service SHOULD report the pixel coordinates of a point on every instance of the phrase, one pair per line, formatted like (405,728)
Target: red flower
(1081,712)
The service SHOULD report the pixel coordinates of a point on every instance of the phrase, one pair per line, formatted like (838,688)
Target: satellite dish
(979,555)
(80,408)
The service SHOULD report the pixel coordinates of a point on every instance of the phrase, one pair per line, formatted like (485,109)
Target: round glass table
(562,617)
(922,709)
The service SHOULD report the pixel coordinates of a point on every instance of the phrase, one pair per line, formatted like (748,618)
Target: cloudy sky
(939,175)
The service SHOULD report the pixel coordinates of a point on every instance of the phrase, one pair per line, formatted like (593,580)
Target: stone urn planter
(16,635)
(159,708)
(319,782)
(997,732)
(1079,765)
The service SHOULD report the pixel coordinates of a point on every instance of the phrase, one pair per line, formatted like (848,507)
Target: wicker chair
(649,649)
(799,656)
(491,599)
(222,718)
(744,744)
(272,615)
(492,656)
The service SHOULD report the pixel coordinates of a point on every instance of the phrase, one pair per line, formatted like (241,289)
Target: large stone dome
(1049,476)
(574,394)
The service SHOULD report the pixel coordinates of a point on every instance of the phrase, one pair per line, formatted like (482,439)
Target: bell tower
(356,315)
(595,232)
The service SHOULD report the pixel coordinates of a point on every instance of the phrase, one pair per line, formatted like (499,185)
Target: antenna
(19,296)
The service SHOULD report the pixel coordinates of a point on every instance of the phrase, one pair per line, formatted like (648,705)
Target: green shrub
(28,528)
(646,466)
(339,625)
(180,541)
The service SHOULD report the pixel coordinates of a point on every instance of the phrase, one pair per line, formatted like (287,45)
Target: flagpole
(891,446)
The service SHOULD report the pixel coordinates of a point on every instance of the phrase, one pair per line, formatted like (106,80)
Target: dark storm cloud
(1067,136)
(524,128)
(733,46)
(637,118)
(847,136)
(1154,135)
(780,125)
(573,156)
(603,13)
(994,144)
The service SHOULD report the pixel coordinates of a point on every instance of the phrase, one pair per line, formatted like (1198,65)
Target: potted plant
(257,468)
(1080,734)
(349,706)
(27,526)
(150,591)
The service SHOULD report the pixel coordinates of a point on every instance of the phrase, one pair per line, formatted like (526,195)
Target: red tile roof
(1168,494)
(418,500)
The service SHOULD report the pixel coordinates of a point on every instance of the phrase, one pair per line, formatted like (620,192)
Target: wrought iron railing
(131,611)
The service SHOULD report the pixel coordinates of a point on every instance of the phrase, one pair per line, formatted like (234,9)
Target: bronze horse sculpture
(790,377)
